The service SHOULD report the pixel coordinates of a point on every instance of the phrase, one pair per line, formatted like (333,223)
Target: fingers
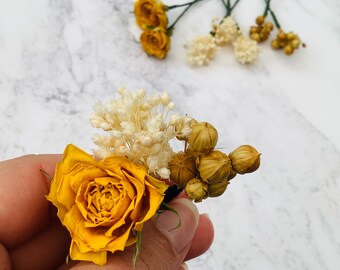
(203,238)
(45,251)
(4,258)
(22,197)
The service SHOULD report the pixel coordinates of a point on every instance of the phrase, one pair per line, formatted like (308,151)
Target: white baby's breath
(245,49)
(224,32)
(201,50)
(139,127)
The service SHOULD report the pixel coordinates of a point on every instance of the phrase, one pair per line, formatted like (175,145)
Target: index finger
(24,209)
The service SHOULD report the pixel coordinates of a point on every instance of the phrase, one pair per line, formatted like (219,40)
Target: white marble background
(58,57)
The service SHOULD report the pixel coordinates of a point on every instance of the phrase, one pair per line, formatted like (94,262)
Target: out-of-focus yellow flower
(150,14)
(102,203)
(156,42)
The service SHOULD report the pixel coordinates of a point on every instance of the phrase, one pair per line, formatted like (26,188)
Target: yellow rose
(102,203)
(150,14)
(155,42)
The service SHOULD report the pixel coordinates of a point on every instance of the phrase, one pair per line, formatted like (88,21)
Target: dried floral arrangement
(105,198)
(152,18)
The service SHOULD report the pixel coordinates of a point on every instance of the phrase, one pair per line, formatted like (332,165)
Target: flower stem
(265,13)
(230,7)
(268,9)
(182,5)
(189,5)
(234,5)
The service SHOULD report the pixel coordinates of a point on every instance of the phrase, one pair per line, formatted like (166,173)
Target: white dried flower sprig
(201,50)
(226,31)
(139,127)
(245,49)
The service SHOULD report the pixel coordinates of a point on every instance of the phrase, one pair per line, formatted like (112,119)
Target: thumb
(164,246)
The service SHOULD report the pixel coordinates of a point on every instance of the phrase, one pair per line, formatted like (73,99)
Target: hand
(31,236)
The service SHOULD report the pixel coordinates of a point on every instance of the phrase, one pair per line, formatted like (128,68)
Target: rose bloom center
(105,201)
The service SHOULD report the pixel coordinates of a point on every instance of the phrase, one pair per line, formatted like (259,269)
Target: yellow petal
(74,155)
(98,258)
(120,242)
(85,175)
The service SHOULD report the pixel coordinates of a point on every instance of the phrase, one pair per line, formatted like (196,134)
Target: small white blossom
(201,50)
(139,127)
(245,49)
(164,173)
(165,99)
(226,31)
(171,106)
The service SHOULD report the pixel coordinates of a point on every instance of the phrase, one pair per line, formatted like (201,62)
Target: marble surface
(58,57)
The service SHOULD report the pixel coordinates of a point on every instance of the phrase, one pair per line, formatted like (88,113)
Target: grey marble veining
(58,57)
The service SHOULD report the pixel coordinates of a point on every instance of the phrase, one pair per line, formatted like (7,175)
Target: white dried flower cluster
(201,50)
(226,31)
(245,49)
(139,127)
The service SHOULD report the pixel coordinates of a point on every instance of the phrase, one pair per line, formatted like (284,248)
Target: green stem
(182,5)
(181,15)
(230,7)
(276,21)
(234,5)
(265,13)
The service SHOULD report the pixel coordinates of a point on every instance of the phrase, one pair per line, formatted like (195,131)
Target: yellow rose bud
(156,42)
(245,159)
(217,189)
(182,168)
(150,14)
(196,189)
(203,137)
(214,166)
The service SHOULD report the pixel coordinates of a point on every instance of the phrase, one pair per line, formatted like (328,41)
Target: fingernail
(206,215)
(167,221)
(184,266)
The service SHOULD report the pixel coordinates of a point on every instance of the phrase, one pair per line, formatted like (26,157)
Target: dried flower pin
(105,200)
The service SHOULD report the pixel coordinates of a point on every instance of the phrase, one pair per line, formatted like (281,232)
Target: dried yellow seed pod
(290,35)
(255,36)
(253,29)
(213,167)
(260,20)
(203,137)
(245,159)
(281,35)
(289,50)
(196,189)
(217,189)
(231,175)
(275,44)
(269,26)
(182,168)
(295,43)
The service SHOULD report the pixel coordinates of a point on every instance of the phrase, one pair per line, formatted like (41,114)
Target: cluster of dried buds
(261,31)
(204,171)
(289,42)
